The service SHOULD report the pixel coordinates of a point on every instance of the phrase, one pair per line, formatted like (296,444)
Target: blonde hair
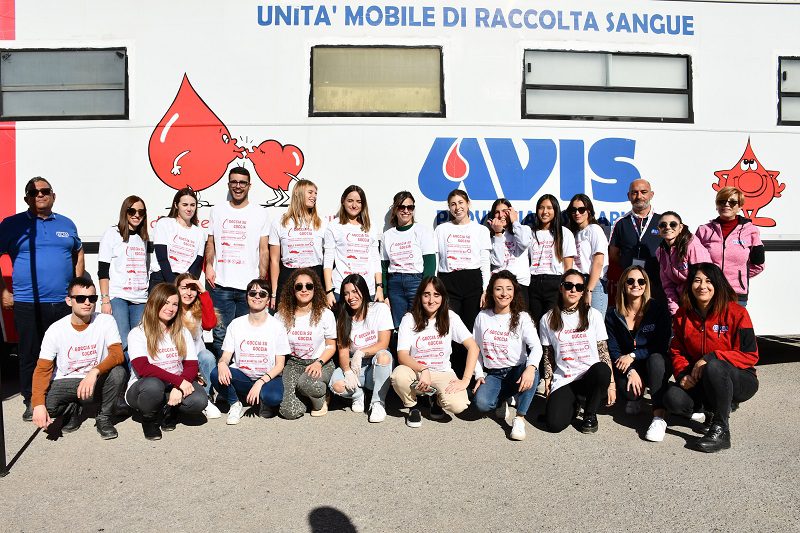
(621,303)
(726,193)
(151,323)
(298,213)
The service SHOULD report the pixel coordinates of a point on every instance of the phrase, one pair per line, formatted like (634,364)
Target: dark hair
(363,216)
(260,283)
(555,322)
(344,318)
(79,282)
(723,292)
(681,243)
(398,200)
(493,210)
(173,210)
(442,315)
(34,180)
(456,192)
(288,304)
(587,202)
(517,303)
(240,171)
(555,228)
(122,225)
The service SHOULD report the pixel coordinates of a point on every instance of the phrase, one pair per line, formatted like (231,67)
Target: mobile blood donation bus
(107,99)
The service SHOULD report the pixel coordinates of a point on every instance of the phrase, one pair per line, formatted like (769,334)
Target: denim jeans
(271,391)
(501,384)
(127,315)
(600,297)
(207,362)
(231,303)
(372,376)
(401,291)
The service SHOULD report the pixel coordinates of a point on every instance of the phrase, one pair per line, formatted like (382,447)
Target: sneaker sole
(648,438)
(379,420)
(154,438)
(213,417)
(587,431)
(232,422)
(413,424)
(109,437)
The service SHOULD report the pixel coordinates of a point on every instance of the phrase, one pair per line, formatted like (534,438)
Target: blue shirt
(41,253)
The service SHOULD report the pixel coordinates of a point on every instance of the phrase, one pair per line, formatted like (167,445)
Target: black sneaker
(151,430)
(72,418)
(437,413)
(717,438)
(105,428)
(266,411)
(414,419)
(170,420)
(27,416)
(589,424)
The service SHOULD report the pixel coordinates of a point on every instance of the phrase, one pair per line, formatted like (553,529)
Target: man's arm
(263,258)
(7,295)
(79,263)
(211,257)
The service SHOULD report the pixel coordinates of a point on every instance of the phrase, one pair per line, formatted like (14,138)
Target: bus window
(789,92)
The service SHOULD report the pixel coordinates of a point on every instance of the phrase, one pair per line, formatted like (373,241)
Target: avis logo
(520,176)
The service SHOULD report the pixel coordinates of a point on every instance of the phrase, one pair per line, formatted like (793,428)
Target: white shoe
(633,407)
(358,404)
(234,414)
(699,417)
(518,428)
(377,413)
(211,410)
(501,411)
(657,429)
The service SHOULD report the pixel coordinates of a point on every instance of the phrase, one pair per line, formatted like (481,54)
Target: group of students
(479,311)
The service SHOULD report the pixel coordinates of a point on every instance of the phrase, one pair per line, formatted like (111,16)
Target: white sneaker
(234,414)
(657,429)
(377,413)
(358,404)
(211,410)
(501,411)
(699,417)
(633,407)
(518,428)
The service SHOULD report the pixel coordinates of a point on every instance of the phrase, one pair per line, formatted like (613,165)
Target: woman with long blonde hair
(163,365)
(295,239)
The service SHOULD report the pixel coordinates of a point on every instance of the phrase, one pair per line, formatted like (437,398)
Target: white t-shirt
(502,348)
(575,351)
(510,252)
(365,332)
(237,233)
(254,347)
(168,358)
(427,347)
(590,241)
(543,258)
(404,249)
(460,246)
(307,341)
(300,247)
(183,244)
(77,352)
(128,272)
(351,251)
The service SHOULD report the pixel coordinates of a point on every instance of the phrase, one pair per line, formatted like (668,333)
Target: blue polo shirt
(41,253)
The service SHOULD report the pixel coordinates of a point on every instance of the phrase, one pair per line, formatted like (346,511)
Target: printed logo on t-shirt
(719,328)
(574,350)
(135,268)
(300,243)
(401,254)
(301,342)
(168,359)
(459,251)
(233,237)
(253,358)
(430,351)
(81,358)
(62,234)
(365,338)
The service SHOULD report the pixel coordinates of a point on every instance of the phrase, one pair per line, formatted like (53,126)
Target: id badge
(638,262)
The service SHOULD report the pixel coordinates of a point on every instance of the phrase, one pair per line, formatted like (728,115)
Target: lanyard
(646,223)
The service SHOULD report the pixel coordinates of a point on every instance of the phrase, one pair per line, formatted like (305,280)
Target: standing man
(236,252)
(46,253)
(635,239)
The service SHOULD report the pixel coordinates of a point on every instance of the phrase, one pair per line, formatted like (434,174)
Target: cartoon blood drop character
(758,184)
(277,165)
(190,145)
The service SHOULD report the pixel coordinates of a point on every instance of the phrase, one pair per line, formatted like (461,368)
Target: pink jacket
(674,269)
(740,257)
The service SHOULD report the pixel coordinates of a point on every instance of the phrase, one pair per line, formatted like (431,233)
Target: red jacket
(729,337)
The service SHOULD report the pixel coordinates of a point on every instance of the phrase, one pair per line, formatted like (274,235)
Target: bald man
(635,239)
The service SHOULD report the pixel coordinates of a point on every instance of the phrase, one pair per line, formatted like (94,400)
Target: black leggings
(542,295)
(464,290)
(720,385)
(654,374)
(561,403)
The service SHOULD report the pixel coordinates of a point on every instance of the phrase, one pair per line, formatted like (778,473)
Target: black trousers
(149,396)
(654,372)
(593,385)
(283,275)
(32,320)
(106,391)
(720,385)
(542,295)
(464,290)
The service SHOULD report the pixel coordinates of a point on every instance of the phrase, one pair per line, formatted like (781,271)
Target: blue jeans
(600,297)
(372,376)
(271,391)
(501,384)
(207,363)
(128,315)
(231,303)
(401,291)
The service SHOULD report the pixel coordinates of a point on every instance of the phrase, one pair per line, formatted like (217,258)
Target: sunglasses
(671,225)
(568,286)
(409,207)
(299,287)
(573,210)
(257,294)
(729,203)
(81,298)
(631,281)
(238,183)
(44,191)
(133,212)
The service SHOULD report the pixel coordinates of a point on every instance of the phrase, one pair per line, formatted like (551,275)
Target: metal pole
(3,464)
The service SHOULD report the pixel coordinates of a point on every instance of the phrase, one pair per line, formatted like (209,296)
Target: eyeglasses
(664,225)
(631,281)
(44,191)
(729,202)
(238,183)
(573,210)
(133,212)
(299,287)
(568,286)
(81,298)
(409,207)
(257,294)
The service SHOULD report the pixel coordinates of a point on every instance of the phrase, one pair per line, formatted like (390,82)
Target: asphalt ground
(340,473)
